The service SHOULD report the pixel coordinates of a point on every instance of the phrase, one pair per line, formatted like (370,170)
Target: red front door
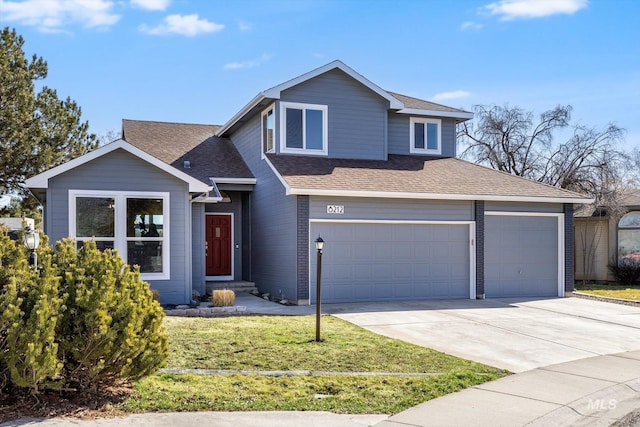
(218,230)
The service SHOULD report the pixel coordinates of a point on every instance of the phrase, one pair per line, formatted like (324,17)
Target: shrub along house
(327,153)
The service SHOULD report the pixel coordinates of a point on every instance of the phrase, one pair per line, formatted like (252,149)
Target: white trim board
(561,246)
(472,245)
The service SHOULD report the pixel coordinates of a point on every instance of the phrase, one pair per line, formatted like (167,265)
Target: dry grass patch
(611,291)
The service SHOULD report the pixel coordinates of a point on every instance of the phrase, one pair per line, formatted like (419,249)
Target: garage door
(391,261)
(521,256)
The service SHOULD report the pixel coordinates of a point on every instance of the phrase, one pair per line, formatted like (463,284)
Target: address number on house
(335,209)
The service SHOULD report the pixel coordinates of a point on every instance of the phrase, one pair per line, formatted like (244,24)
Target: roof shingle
(411,174)
(173,143)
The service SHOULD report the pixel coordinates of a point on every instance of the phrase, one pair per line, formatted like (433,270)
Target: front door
(218,230)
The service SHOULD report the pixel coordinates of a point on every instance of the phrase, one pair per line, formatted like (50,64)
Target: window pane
(418,135)
(294,128)
(148,255)
(630,220)
(268,130)
(101,245)
(144,218)
(313,129)
(629,245)
(95,217)
(432,136)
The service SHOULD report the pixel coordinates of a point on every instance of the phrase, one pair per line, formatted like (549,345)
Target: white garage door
(522,256)
(391,261)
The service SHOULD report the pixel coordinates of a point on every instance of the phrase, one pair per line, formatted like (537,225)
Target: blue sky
(200,61)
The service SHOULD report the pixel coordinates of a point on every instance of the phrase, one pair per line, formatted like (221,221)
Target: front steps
(237,286)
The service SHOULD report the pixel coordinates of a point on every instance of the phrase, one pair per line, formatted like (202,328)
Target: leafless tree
(589,161)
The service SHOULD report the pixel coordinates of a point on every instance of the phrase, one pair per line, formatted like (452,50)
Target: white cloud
(186,25)
(508,10)
(51,15)
(238,65)
(245,26)
(151,4)
(446,96)
(470,25)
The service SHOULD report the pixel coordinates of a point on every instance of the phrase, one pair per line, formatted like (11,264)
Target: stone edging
(604,299)
(207,311)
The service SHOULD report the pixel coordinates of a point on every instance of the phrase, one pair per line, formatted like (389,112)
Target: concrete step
(238,286)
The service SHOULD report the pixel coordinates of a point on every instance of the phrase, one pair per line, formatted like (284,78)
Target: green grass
(285,343)
(611,291)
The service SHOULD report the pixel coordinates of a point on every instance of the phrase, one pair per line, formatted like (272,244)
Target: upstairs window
(268,130)
(303,128)
(425,136)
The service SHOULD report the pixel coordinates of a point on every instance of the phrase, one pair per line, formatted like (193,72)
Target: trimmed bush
(626,273)
(223,298)
(85,319)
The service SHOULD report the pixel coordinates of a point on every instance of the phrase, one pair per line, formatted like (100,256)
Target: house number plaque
(335,209)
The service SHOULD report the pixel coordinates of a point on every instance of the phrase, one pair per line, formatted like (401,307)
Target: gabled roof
(421,107)
(413,177)
(175,143)
(41,181)
(401,103)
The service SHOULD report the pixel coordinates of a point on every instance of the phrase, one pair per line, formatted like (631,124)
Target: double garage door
(377,261)
(384,261)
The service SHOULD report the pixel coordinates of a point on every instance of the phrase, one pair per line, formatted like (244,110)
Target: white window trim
(120,227)
(271,107)
(283,129)
(424,120)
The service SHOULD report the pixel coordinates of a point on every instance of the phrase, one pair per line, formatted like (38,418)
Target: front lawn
(285,343)
(611,291)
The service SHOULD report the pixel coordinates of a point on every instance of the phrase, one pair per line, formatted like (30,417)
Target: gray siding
(235,208)
(273,220)
(357,116)
(522,207)
(120,171)
(399,135)
(197,248)
(392,209)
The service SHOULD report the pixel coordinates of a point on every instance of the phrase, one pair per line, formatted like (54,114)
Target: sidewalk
(597,391)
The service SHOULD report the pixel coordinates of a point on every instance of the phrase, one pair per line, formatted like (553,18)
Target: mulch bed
(16,404)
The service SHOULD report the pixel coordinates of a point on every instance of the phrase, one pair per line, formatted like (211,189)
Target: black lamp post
(319,246)
(32,241)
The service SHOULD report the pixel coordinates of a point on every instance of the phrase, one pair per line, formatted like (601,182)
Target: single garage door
(521,256)
(391,261)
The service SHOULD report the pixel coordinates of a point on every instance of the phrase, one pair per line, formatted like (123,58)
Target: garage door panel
(521,256)
(396,261)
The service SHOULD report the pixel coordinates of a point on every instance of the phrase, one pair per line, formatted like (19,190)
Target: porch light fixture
(319,246)
(32,240)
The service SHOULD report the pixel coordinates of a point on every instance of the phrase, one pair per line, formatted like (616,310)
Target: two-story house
(330,154)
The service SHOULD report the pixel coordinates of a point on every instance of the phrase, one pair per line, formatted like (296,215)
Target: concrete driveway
(514,334)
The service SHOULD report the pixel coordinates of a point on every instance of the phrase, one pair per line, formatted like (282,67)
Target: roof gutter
(255,101)
(462,115)
(433,196)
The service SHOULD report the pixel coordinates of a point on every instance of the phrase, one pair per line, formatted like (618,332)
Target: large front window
(136,224)
(424,135)
(303,128)
(629,238)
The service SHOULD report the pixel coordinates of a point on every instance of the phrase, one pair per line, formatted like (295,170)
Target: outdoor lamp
(32,241)
(319,246)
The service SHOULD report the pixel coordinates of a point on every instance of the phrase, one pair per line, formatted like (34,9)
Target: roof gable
(400,103)
(42,180)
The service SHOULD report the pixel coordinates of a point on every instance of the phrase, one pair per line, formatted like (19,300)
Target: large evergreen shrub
(83,320)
